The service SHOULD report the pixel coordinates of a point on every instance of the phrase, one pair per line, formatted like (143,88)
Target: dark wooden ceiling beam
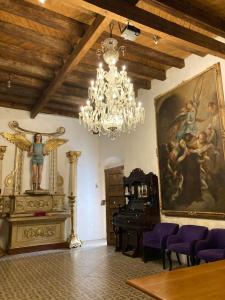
(43,16)
(191,13)
(78,79)
(19,91)
(89,38)
(151,23)
(19,68)
(14,104)
(143,71)
(146,52)
(60,111)
(68,99)
(57,46)
(22,80)
(26,104)
(13,100)
(83,79)
(188,48)
(76,91)
(29,56)
(62,106)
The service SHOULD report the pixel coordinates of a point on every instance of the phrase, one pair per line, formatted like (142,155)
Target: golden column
(2,152)
(73,156)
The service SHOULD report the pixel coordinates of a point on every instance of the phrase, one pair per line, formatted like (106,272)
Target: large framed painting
(191,147)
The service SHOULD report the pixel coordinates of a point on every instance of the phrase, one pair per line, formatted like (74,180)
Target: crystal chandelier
(111,107)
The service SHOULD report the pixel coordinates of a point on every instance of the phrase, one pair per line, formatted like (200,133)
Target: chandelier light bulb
(124,67)
(9,85)
(92,82)
(100,65)
(42,1)
(139,104)
(82,108)
(155,39)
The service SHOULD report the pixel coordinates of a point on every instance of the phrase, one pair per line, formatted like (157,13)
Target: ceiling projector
(130,33)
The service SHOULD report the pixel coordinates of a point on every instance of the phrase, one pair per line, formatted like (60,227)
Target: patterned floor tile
(92,272)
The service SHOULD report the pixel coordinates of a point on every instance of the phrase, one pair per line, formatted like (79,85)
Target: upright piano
(140,213)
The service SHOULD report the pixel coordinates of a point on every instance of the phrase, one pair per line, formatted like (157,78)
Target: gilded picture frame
(190,121)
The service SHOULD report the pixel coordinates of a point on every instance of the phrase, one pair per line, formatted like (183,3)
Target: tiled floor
(92,272)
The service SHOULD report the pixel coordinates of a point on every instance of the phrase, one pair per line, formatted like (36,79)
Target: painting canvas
(191,149)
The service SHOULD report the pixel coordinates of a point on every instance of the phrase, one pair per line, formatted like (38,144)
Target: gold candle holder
(73,156)
(2,152)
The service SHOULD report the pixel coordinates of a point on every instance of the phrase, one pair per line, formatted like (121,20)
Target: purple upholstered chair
(184,242)
(213,248)
(157,239)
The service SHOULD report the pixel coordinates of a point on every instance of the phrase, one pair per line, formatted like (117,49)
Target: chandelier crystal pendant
(111,107)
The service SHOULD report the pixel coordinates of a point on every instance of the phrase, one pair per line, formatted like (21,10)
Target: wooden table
(203,282)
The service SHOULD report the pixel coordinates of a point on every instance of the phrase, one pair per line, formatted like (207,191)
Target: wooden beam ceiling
(82,78)
(31,57)
(43,16)
(56,46)
(19,91)
(21,80)
(61,112)
(147,52)
(51,57)
(189,12)
(89,38)
(149,22)
(75,91)
(16,67)
(143,72)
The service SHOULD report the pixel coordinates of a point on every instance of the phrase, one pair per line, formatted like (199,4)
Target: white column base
(74,242)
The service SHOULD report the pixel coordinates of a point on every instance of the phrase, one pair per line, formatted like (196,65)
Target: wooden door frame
(121,168)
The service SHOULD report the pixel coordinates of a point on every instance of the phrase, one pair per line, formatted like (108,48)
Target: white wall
(139,148)
(90,213)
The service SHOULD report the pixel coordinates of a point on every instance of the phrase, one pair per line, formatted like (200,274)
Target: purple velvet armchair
(157,239)
(213,248)
(184,242)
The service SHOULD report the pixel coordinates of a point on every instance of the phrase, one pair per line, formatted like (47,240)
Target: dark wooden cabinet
(140,213)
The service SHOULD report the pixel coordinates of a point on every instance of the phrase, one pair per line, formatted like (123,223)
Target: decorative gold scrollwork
(39,231)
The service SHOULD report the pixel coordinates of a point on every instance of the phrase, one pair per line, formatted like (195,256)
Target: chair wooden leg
(164,259)
(192,260)
(178,258)
(188,261)
(170,260)
(145,254)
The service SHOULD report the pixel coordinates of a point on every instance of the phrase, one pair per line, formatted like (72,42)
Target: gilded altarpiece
(32,219)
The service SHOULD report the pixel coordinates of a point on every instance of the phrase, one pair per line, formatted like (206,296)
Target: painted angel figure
(185,122)
(37,150)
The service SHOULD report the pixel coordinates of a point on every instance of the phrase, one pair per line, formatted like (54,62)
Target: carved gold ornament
(14,125)
(40,231)
(73,155)
(17,139)
(54,143)
(24,144)
(2,151)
